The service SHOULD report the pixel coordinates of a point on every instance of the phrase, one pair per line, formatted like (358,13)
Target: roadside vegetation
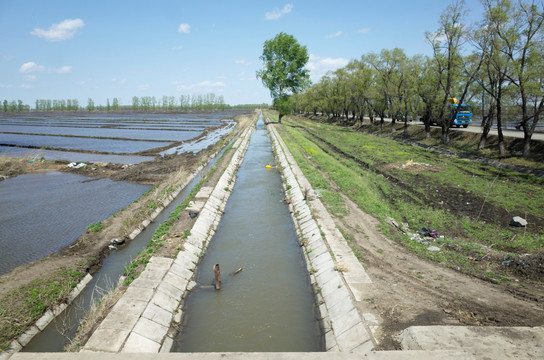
(495,64)
(413,191)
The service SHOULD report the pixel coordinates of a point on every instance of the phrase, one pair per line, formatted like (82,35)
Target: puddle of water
(269,306)
(44,212)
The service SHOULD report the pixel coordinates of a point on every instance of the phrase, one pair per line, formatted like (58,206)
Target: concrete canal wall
(326,254)
(145,318)
(141,320)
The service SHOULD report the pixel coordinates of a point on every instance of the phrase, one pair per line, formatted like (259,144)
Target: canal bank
(141,320)
(154,300)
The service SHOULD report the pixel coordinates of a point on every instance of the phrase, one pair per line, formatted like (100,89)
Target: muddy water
(269,306)
(45,212)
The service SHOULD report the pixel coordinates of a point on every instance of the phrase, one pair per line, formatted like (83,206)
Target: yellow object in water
(269,166)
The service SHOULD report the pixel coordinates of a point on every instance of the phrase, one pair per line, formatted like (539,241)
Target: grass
(95,227)
(368,169)
(24,306)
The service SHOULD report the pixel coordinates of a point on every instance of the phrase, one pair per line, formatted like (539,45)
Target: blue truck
(464,113)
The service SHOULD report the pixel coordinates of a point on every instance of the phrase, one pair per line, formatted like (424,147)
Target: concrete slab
(179,282)
(25,338)
(137,294)
(107,340)
(121,320)
(169,290)
(166,302)
(45,320)
(353,338)
(150,330)
(130,305)
(344,306)
(139,344)
(204,192)
(158,315)
(480,341)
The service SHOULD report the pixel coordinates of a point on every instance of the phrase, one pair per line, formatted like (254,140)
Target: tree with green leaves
(284,72)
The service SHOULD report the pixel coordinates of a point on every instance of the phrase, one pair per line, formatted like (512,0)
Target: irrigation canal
(269,305)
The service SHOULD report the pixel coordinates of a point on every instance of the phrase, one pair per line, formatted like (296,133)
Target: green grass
(95,227)
(369,172)
(24,306)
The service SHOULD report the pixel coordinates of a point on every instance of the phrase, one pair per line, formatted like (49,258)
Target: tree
(283,70)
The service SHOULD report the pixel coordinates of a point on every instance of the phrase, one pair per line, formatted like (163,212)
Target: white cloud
(178,47)
(243,62)
(6,58)
(26,86)
(277,13)
(30,78)
(319,66)
(62,31)
(364,30)
(5,86)
(143,87)
(203,86)
(334,35)
(30,66)
(63,70)
(184,28)
(119,81)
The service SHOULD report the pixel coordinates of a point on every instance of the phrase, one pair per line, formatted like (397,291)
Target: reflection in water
(269,306)
(44,212)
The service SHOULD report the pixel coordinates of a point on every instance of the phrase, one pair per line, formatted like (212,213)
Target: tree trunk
(502,149)
(487,123)
(279,118)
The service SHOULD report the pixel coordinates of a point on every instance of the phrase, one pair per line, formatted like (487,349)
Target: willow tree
(284,72)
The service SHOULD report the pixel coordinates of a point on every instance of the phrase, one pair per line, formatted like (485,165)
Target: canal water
(61,330)
(268,306)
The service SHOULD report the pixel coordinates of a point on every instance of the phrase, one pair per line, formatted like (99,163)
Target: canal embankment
(141,320)
(154,300)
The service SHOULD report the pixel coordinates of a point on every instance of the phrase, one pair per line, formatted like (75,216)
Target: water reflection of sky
(77,143)
(44,212)
(113,133)
(17,152)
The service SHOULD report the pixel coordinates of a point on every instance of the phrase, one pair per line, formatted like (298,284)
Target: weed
(95,227)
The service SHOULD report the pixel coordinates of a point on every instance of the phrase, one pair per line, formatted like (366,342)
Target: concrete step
(378,355)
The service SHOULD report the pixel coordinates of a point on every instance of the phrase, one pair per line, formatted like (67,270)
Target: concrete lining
(326,250)
(155,298)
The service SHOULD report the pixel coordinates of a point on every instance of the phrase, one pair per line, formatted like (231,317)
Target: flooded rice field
(44,212)
(112,133)
(41,213)
(24,153)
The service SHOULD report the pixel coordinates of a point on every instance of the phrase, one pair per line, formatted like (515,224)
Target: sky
(104,49)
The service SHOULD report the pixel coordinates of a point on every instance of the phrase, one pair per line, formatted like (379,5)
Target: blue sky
(104,49)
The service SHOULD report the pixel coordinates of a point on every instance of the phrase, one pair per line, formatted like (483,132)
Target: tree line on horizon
(496,64)
(208,101)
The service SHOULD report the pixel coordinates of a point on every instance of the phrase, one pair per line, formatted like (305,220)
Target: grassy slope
(469,203)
